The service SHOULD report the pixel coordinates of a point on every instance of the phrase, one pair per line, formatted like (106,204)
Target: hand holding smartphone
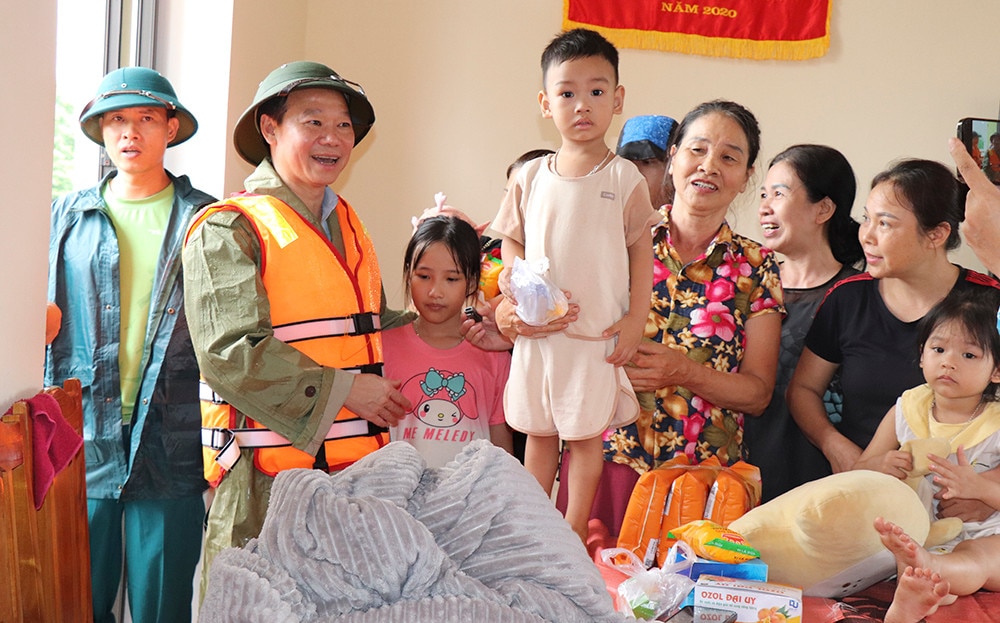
(471,312)
(981,138)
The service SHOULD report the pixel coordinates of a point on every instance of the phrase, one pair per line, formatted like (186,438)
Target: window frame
(129,40)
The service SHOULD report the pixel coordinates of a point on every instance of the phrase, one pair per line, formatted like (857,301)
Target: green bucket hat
(279,83)
(129,87)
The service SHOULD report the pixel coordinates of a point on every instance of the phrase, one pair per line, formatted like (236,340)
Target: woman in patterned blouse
(714,326)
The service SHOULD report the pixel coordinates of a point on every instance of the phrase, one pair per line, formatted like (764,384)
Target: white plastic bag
(539,301)
(650,594)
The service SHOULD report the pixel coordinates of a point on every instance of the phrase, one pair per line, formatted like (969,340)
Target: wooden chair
(47,552)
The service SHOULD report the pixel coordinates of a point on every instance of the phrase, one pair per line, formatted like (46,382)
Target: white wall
(27,99)
(216,71)
(194,54)
(454,86)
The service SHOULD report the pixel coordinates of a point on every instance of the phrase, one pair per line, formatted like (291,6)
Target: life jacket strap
(355,324)
(229,441)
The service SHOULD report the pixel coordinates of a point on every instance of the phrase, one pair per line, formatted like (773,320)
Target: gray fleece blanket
(389,540)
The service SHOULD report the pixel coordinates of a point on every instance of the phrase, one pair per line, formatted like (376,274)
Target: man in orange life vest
(285,304)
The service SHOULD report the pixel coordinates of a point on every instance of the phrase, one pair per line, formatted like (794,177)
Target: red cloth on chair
(54,443)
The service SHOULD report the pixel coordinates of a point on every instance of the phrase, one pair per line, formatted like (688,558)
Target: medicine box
(751,601)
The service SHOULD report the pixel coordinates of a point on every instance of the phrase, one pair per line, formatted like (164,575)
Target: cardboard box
(752,602)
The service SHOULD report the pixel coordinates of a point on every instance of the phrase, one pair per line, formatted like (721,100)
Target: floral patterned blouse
(702,309)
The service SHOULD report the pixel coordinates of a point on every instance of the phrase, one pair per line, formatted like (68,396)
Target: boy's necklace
(607,156)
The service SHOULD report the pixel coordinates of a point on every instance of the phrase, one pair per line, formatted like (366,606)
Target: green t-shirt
(139,225)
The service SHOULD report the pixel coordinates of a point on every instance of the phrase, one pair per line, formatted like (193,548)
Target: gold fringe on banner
(708,46)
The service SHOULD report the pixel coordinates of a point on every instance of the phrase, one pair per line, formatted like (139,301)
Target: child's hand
(629,331)
(958,481)
(511,325)
(896,463)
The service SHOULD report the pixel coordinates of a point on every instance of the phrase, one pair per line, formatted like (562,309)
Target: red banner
(757,29)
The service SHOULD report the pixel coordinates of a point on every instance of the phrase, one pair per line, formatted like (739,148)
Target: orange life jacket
(313,291)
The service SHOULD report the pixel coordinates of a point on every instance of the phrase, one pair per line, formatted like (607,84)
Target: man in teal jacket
(115,271)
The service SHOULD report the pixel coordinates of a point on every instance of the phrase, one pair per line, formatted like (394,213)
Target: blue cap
(645,137)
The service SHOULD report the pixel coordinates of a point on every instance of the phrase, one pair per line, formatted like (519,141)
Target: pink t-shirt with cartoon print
(456,393)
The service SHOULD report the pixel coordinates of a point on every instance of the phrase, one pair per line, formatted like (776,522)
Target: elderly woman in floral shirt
(715,323)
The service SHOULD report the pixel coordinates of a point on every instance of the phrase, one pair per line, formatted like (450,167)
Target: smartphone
(981,138)
(471,312)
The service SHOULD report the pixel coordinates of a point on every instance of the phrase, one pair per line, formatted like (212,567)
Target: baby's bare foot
(919,593)
(908,552)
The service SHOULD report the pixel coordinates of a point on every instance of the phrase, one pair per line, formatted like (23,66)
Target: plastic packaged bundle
(655,593)
(539,301)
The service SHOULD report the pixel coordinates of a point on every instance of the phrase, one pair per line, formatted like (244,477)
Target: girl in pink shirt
(455,388)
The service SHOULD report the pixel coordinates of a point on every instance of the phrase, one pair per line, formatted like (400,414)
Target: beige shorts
(561,385)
